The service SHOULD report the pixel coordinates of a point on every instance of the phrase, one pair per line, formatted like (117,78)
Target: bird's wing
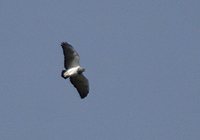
(71,57)
(81,83)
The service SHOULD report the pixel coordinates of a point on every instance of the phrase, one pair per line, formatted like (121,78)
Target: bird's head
(80,70)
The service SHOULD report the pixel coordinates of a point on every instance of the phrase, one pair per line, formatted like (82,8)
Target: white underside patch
(71,71)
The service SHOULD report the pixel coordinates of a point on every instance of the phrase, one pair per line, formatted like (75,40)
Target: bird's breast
(72,71)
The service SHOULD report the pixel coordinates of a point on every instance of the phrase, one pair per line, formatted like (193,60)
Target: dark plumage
(73,70)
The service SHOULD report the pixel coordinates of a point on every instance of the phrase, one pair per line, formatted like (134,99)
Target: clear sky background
(142,58)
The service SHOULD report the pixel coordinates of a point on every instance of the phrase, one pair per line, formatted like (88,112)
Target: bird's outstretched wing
(71,57)
(81,83)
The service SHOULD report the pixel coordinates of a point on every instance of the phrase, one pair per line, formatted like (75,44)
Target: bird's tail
(62,74)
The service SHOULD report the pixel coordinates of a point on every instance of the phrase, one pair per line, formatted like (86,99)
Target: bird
(73,70)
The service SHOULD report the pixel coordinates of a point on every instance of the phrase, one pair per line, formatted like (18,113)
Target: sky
(142,58)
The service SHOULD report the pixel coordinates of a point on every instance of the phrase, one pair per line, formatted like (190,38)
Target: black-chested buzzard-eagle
(73,70)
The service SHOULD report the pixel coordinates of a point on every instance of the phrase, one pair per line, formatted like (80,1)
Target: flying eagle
(73,70)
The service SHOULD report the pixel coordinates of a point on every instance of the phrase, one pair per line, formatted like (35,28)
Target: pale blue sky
(142,58)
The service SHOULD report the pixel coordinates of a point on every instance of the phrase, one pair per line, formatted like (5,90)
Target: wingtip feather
(64,44)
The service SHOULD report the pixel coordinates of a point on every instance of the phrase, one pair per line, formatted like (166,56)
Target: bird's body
(71,72)
(74,71)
